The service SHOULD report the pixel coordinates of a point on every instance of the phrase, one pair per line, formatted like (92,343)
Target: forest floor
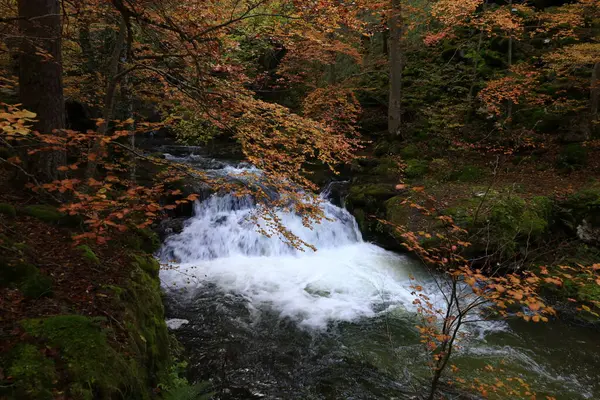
(45,276)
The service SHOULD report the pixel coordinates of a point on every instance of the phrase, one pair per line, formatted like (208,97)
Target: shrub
(469,173)
(572,157)
(410,151)
(416,168)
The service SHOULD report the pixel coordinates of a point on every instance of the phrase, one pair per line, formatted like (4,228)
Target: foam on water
(341,284)
(344,280)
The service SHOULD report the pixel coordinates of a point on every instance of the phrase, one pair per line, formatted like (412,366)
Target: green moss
(441,169)
(147,263)
(146,313)
(43,212)
(359,215)
(589,293)
(33,373)
(396,212)
(93,365)
(469,173)
(150,240)
(387,169)
(369,196)
(410,151)
(143,239)
(89,254)
(584,204)
(83,345)
(117,290)
(8,209)
(416,169)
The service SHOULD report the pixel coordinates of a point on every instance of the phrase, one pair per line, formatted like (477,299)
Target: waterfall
(343,280)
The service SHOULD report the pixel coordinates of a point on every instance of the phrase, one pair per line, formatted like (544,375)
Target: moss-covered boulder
(95,369)
(91,362)
(388,169)
(370,196)
(416,168)
(504,224)
(43,212)
(579,214)
(145,315)
(33,373)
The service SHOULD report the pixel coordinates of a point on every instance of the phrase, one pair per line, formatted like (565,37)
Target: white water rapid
(344,280)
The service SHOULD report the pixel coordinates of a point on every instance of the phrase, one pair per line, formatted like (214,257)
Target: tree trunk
(510,63)
(396,66)
(40,77)
(595,93)
(111,92)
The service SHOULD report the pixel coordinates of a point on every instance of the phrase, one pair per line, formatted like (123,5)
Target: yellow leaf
(24,114)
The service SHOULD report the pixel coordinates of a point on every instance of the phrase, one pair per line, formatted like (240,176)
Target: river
(263,320)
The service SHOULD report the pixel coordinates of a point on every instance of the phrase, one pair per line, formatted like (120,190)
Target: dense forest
(299,199)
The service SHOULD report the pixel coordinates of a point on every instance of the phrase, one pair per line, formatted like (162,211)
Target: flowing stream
(263,320)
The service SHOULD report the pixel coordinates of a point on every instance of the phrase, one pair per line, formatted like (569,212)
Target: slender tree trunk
(476,65)
(510,63)
(111,92)
(595,94)
(396,66)
(332,73)
(40,77)
(127,100)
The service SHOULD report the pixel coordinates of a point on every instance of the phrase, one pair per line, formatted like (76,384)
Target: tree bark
(510,63)
(595,92)
(110,96)
(40,77)
(396,66)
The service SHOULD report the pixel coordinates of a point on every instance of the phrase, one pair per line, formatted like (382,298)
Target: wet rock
(588,233)
(171,226)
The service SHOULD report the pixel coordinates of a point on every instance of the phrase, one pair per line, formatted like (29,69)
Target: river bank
(78,322)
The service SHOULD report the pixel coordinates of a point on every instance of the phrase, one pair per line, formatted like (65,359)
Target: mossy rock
(584,204)
(469,173)
(509,222)
(146,313)
(359,215)
(95,369)
(369,196)
(8,210)
(89,254)
(387,169)
(142,239)
(410,151)
(416,169)
(150,240)
(43,212)
(402,215)
(147,263)
(33,374)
